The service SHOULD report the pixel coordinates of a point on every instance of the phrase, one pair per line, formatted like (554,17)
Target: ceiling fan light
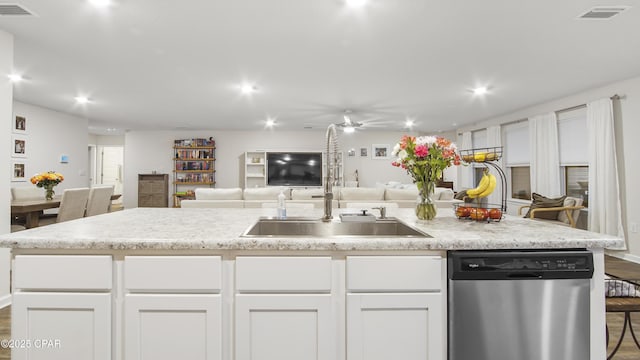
(349,129)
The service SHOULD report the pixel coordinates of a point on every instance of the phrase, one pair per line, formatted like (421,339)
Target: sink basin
(308,227)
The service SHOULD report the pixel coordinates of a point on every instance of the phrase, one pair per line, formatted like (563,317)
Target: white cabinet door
(61,326)
(285,327)
(169,327)
(394,326)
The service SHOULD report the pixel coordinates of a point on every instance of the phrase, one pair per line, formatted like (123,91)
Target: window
(477,174)
(515,138)
(572,132)
(520,182)
(576,182)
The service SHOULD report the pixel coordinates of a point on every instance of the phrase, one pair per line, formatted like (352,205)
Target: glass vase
(49,193)
(425,207)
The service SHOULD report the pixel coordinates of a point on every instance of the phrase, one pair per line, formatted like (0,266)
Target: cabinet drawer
(394,273)
(63,272)
(173,273)
(283,274)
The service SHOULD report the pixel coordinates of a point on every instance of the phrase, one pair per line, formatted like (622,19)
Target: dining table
(32,209)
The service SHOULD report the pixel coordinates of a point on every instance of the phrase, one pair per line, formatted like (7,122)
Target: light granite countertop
(221,229)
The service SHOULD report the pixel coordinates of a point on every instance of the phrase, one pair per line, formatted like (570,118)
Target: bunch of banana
(485,187)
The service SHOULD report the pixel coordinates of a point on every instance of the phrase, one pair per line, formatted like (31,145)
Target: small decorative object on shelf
(424,158)
(193,166)
(47,181)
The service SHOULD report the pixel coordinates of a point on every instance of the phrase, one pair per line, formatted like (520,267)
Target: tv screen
(294,168)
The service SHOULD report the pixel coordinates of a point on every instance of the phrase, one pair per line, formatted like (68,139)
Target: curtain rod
(613,97)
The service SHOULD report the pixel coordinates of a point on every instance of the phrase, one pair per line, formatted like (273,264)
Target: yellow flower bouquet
(47,181)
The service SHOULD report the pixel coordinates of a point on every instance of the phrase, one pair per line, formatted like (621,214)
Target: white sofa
(215,198)
(404,197)
(256,197)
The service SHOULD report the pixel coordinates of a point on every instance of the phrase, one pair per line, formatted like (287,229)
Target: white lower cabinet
(284,308)
(61,326)
(176,326)
(284,327)
(395,308)
(172,308)
(92,307)
(394,326)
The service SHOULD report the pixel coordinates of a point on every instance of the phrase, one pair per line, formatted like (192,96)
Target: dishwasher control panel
(520,264)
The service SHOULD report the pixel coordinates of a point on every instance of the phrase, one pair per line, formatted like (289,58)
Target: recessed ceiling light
(100,3)
(82,99)
(409,123)
(480,90)
(15,77)
(248,88)
(356,3)
(270,122)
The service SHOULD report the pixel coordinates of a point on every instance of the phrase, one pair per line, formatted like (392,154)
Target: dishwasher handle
(524,275)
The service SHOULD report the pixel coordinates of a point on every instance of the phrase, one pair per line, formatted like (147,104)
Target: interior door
(111,163)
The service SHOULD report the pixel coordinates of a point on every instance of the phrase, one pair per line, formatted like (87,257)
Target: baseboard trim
(5,301)
(625,256)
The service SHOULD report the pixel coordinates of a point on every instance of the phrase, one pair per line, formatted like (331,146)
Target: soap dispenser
(282,206)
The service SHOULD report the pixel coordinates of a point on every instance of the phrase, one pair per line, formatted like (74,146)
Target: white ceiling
(154,64)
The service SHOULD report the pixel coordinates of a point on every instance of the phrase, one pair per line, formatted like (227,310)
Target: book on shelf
(194,142)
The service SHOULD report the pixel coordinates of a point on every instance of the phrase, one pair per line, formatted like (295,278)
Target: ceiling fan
(354,116)
(348,125)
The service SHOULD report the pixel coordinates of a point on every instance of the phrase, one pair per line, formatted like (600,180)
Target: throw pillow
(539,201)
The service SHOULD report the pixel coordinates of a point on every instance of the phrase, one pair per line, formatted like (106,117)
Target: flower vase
(425,207)
(49,192)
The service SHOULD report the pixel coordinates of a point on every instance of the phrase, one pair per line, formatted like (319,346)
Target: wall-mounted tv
(294,168)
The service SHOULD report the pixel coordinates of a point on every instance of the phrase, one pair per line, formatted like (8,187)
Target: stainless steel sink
(311,227)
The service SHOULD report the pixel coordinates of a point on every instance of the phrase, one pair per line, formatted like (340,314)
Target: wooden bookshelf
(194,166)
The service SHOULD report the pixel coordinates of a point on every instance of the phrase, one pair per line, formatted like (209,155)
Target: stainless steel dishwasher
(519,305)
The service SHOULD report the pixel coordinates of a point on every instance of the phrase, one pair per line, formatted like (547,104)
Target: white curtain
(604,193)
(494,139)
(544,153)
(465,173)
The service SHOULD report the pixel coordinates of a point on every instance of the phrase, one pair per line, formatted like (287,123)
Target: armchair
(566,211)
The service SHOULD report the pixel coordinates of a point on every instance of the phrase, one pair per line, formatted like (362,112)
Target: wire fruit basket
(478,212)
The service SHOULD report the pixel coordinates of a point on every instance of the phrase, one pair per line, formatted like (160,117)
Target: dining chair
(27,193)
(73,204)
(99,200)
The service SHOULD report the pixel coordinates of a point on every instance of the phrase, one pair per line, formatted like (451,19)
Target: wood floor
(614,266)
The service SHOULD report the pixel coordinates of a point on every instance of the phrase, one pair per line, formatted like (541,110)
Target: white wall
(106,140)
(51,134)
(6,99)
(627,113)
(147,151)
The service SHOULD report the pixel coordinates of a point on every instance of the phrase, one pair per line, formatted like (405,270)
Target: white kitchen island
(183,283)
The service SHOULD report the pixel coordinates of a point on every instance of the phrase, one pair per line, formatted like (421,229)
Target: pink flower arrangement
(425,157)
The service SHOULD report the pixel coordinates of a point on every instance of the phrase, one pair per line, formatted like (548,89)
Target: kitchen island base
(241,305)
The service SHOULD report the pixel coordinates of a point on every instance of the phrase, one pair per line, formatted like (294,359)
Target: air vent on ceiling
(14,10)
(603,12)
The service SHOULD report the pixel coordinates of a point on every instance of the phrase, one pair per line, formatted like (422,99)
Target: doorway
(107,165)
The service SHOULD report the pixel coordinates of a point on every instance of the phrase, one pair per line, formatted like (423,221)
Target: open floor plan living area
(331,180)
